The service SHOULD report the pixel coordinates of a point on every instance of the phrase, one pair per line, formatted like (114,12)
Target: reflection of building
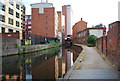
(67,12)
(44,19)
(46,70)
(12,18)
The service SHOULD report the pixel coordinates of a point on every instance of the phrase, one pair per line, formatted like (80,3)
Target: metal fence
(37,39)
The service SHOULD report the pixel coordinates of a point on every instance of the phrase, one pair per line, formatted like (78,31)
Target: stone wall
(24,49)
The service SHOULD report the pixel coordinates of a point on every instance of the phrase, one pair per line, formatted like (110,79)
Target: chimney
(44,1)
(81,19)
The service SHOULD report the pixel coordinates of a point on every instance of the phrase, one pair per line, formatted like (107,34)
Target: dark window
(10,11)
(3,7)
(17,6)
(46,22)
(46,28)
(10,21)
(17,15)
(17,31)
(10,31)
(46,34)
(17,24)
(2,18)
(46,16)
(3,30)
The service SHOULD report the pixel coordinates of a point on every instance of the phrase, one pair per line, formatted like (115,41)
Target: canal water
(49,64)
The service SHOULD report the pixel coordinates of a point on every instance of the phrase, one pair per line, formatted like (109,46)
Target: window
(10,21)
(29,27)
(17,6)
(46,28)
(3,7)
(29,22)
(46,22)
(17,15)
(10,11)
(3,30)
(2,18)
(29,32)
(46,16)
(17,24)
(10,31)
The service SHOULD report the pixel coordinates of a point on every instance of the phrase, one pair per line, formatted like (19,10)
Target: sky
(92,11)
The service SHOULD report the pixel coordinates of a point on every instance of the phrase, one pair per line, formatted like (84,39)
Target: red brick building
(82,36)
(44,19)
(79,26)
(28,24)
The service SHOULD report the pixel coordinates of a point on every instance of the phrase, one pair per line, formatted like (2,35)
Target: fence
(110,44)
(37,39)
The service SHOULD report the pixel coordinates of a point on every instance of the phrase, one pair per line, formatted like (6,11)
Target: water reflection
(49,64)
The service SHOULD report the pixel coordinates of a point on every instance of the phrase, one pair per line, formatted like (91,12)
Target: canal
(48,64)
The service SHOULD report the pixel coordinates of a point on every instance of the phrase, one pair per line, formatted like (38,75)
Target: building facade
(12,18)
(82,36)
(44,19)
(61,26)
(79,26)
(67,12)
(28,24)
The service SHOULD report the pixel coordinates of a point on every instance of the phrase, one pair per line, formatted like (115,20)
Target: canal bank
(90,65)
(26,49)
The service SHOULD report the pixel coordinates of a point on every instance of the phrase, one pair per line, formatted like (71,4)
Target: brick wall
(43,24)
(110,44)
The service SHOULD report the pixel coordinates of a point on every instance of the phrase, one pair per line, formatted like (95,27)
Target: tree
(91,40)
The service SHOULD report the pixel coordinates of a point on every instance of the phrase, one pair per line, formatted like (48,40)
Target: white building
(12,16)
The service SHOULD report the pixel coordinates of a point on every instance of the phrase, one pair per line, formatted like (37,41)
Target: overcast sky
(92,11)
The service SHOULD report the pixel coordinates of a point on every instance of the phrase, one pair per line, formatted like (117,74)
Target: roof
(90,29)
(79,22)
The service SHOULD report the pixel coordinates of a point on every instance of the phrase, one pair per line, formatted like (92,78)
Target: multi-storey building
(44,19)
(67,12)
(28,24)
(12,17)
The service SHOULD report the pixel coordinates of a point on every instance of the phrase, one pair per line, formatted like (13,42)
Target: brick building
(82,36)
(28,24)
(61,25)
(44,19)
(79,26)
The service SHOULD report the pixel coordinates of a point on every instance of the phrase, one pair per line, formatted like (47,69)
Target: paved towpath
(92,66)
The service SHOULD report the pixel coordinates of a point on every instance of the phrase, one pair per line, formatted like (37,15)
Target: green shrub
(91,40)
(54,43)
